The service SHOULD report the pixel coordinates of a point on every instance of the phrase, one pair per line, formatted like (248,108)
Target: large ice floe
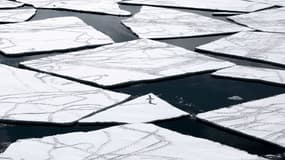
(16,15)
(274,76)
(264,118)
(32,97)
(127,62)
(146,108)
(271,20)
(9,4)
(51,34)
(261,46)
(272,2)
(127,142)
(158,23)
(222,5)
(95,6)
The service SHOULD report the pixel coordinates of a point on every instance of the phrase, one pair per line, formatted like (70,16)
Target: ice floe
(49,35)
(157,23)
(128,142)
(9,4)
(272,20)
(96,6)
(267,47)
(126,62)
(32,97)
(264,118)
(272,2)
(146,108)
(275,76)
(222,5)
(16,15)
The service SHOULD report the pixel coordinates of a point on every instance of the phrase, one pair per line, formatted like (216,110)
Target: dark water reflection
(194,94)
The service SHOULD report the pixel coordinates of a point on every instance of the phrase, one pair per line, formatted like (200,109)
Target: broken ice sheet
(272,20)
(9,4)
(264,118)
(272,2)
(127,62)
(49,35)
(16,15)
(268,47)
(127,142)
(146,108)
(222,5)
(32,97)
(156,23)
(96,6)
(275,76)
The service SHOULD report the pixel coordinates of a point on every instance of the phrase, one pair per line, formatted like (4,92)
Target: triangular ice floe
(146,108)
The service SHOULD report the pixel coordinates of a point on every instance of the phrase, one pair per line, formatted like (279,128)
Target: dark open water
(195,93)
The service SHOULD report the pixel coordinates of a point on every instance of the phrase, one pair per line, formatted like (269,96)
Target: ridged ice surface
(146,108)
(156,23)
(222,5)
(261,46)
(95,6)
(33,97)
(9,4)
(51,34)
(264,118)
(127,62)
(128,142)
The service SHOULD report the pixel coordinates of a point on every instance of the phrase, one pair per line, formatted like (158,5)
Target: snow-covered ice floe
(51,34)
(128,142)
(222,5)
(264,118)
(272,2)
(16,15)
(32,97)
(9,4)
(146,108)
(272,20)
(95,6)
(158,23)
(266,47)
(127,62)
(275,76)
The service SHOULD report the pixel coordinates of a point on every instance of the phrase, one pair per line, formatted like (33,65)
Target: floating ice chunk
(33,97)
(253,73)
(126,62)
(222,5)
(48,35)
(157,23)
(264,119)
(267,47)
(128,142)
(146,108)
(9,4)
(16,15)
(272,20)
(272,2)
(96,6)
